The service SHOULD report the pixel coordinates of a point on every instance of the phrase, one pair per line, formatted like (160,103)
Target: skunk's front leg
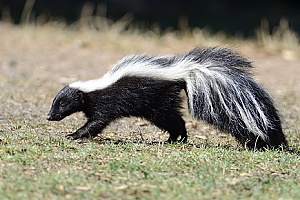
(89,130)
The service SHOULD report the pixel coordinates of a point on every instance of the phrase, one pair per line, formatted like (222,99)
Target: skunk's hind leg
(174,125)
(177,129)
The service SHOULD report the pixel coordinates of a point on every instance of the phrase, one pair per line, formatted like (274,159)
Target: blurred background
(233,17)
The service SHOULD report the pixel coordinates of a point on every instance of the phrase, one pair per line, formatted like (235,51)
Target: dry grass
(281,38)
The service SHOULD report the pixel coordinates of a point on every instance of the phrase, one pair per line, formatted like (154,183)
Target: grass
(34,166)
(128,161)
(281,38)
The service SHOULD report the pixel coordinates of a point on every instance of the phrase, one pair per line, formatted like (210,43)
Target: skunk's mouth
(54,117)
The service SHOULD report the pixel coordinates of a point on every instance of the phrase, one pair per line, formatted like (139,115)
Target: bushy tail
(221,92)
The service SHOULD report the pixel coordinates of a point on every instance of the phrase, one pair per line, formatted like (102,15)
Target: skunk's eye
(63,104)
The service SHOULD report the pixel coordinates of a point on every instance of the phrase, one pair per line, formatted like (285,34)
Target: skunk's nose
(52,116)
(48,117)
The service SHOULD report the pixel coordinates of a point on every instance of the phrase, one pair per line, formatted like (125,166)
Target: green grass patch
(41,167)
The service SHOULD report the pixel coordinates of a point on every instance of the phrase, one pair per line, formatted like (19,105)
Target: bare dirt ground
(36,62)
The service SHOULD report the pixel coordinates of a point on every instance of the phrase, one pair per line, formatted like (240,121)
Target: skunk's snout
(49,117)
(53,117)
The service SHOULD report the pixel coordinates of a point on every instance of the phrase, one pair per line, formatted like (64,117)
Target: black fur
(66,102)
(155,100)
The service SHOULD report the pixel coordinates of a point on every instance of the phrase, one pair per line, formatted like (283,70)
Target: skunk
(217,82)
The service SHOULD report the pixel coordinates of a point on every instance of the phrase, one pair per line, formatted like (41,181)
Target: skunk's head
(67,101)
